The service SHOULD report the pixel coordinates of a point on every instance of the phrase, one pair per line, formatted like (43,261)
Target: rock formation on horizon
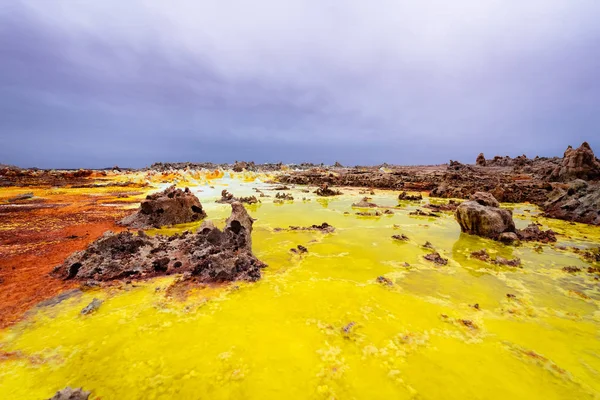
(480,160)
(579,163)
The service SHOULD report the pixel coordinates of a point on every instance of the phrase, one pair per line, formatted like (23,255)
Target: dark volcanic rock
(436,258)
(239,166)
(410,197)
(484,220)
(324,190)
(534,233)
(515,262)
(401,237)
(458,166)
(578,163)
(209,255)
(480,160)
(284,196)
(580,203)
(169,207)
(229,198)
(71,394)
(483,255)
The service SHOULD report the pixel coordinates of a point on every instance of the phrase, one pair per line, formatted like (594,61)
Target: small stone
(508,237)
(92,307)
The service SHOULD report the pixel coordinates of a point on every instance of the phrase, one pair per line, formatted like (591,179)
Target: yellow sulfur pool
(321,325)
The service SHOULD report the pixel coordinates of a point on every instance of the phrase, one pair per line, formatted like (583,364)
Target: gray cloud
(97,83)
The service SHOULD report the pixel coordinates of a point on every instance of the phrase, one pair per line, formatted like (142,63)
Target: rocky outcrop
(209,255)
(533,233)
(578,163)
(71,394)
(325,191)
(229,198)
(580,202)
(410,197)
(169,207)
(480,160)
(483,217)
(436,258)
(240,166)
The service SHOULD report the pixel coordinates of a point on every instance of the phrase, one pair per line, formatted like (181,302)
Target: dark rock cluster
(209,255)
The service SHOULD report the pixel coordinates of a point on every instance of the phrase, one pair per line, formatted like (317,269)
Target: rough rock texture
(485,199)
(324,190)
(229,198)
(169,207)
(436,258)
(578,163)
(484,220)
(480,160)
(71,394)
(209,255)
(239,166)
(579,203)
(483,255)
(533,233)
(410,197)
(508,238)
(284,196)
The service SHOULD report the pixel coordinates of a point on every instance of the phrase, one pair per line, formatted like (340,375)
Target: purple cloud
(94,84)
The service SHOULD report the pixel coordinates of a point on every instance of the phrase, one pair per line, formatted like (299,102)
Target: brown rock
(436,258)
(480,160)
(534,233)
(580,203)
(325,191)
(578,163)
(485,199)
(239,166)
(508,237)
(477,219)
(410,197)
(229,198)
(169,207)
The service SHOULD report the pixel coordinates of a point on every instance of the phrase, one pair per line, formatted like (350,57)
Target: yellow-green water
(284,337)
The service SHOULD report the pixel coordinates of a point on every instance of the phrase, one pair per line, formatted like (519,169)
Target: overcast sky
(130,82)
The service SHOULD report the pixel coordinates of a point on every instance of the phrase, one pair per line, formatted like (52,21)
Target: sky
(93,84)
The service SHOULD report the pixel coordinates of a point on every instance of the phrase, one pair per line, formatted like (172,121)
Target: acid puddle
(321,326)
